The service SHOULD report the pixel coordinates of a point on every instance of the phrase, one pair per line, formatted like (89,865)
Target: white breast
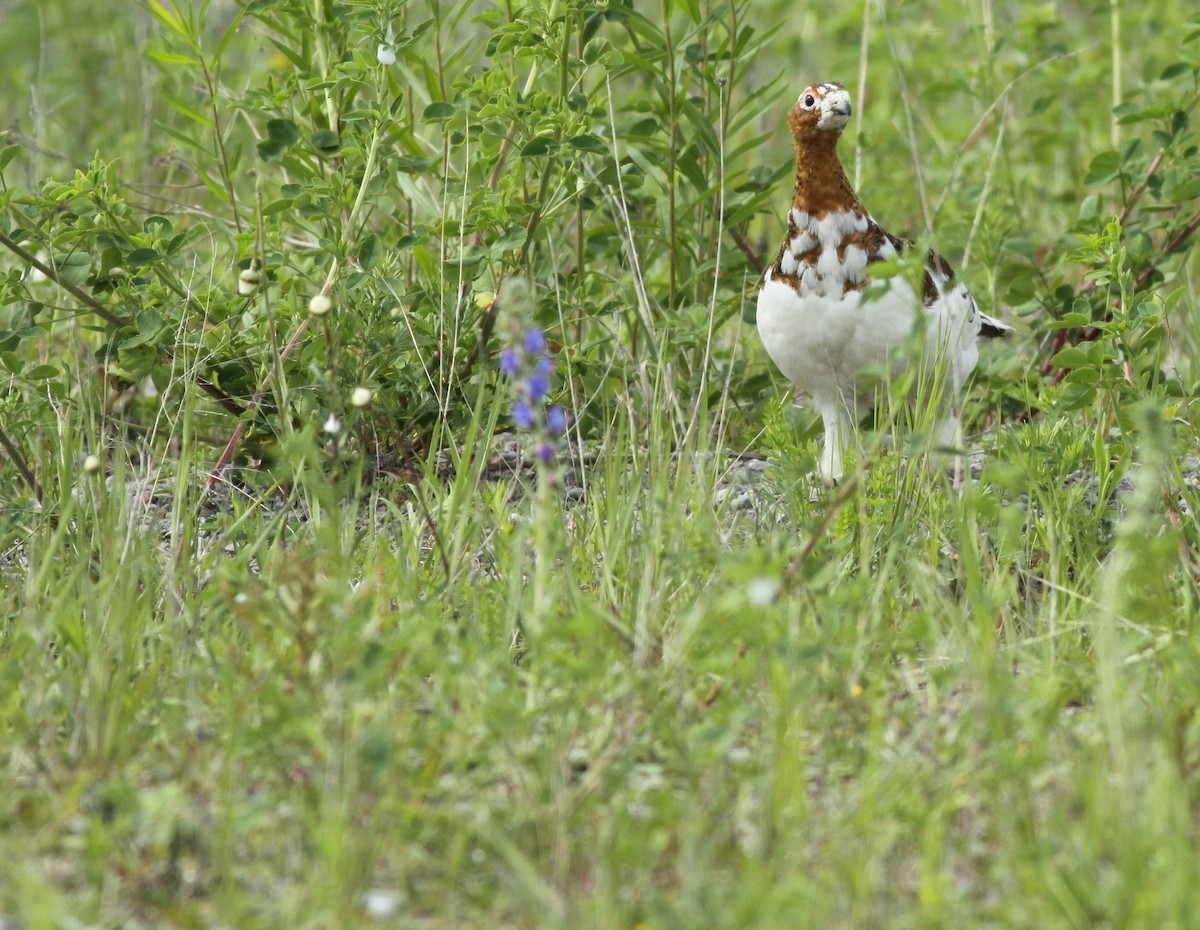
(823,342)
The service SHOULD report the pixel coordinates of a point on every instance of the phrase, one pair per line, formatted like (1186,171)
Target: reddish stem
(240,430)
(1139,282)
(740,241)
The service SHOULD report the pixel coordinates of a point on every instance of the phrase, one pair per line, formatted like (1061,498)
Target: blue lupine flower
(510,362)
(527,362)
(538,386)
(535,341)
(521,414)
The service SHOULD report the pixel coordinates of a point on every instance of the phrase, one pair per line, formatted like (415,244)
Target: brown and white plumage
(812,317)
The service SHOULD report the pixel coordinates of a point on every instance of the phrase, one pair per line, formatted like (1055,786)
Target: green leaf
(42,372)
(190,112)
(270,148)
(230,32)
(411,164)
(158,224)
(166,17)
(1104,167)
(1077,395)
(141,257)
(216,189)
(1019,246)
(171,58)
(469,257)
(368,251)
(511,238)
(536,147)
(596,50)
(326,141)
(438,111)
(149,323)
(586,143)
(1071,357)
(647,126)
(1185,191)
(283,131)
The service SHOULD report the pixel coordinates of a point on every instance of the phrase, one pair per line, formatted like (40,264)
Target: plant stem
(323,62)
(368,174)
(226,169)
(1115,21)
(672,122)
(240,429)
(22,466)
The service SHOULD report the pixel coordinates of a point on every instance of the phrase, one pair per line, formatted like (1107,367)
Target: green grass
(658,703)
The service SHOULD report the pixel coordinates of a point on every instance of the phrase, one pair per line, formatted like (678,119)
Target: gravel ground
(748,489)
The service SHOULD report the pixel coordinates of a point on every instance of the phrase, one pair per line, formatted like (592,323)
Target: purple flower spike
(556,420)
(546,453)
(510,362)
(539,387)
(535,342)
(521,414)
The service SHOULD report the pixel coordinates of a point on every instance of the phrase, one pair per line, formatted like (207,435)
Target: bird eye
(809,100)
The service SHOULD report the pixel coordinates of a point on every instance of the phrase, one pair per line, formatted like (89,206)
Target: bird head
(821,109)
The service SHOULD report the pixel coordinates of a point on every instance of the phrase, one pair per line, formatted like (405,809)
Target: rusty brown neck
(821,182)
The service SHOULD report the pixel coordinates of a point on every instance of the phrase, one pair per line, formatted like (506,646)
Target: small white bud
(362,396)
(333,425)
(248,280)
(320,305)
(91,464)
(762,591)
(385,52)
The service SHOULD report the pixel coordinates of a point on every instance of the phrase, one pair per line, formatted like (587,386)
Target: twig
(22,465)
(740,241)
(51,273)
(1060,338)
(1139,283)
(240,430)
(83,297)
(1140,189)
(489,318)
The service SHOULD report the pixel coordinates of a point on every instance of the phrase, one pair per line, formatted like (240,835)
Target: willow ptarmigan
(812,315)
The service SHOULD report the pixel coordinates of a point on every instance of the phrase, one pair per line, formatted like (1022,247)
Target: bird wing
(939,276)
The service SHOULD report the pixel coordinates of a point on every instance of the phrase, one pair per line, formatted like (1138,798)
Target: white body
(824,340)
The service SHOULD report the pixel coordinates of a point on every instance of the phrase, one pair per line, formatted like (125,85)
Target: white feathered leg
(830,469)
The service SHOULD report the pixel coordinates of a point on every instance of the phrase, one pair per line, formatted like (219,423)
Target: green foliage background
(436,702)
